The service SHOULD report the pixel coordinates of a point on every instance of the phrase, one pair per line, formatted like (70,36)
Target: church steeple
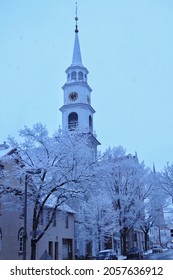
(77,112)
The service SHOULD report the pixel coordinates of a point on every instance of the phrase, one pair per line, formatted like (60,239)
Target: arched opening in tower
(72,121)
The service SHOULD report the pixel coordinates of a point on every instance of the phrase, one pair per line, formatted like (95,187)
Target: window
(135,236)
(80,76)
(21,240)
(66,221)
(90,123)
(51,248)
(73,75)
(56,250)
(49,214)
(54,220)
(72,121)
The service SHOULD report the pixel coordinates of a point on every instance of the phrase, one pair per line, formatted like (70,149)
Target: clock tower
(77,112)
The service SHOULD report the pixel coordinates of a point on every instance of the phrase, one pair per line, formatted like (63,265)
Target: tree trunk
(123,241)
(146,240)
(124,244)
(33,249)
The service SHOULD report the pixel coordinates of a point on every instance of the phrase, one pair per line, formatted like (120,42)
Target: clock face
(73,96)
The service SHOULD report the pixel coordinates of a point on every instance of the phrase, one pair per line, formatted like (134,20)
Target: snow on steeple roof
(77,59)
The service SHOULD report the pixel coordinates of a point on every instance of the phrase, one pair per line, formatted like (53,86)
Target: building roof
(4,149)
(77,59)
(51,202)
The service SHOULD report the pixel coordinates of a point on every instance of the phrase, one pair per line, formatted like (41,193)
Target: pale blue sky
(127,46)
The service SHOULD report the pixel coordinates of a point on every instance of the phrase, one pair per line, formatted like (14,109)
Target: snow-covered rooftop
(51,202)
(4,149)
(66,208)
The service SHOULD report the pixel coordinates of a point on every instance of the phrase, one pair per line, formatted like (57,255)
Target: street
(166,255)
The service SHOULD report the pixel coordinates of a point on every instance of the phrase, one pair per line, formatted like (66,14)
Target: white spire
(77,59)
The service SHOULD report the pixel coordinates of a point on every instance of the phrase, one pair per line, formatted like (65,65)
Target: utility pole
(25,217)
(28,174)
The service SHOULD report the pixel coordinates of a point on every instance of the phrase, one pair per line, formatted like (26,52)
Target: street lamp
(28,173)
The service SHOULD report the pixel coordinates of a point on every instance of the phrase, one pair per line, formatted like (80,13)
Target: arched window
(72,121)
(90,123)
(80,76)
(21,240)
(0,240)
(73,75)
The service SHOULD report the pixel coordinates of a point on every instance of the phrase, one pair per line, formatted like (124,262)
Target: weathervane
(76,19)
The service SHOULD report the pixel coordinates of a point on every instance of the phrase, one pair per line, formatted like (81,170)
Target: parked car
(135,253)
(108,254)
(170,245)
(157,249)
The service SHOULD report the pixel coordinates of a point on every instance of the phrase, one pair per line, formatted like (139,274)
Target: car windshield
(103,254)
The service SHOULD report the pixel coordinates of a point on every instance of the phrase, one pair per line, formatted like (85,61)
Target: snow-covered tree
(100,219)
(124,179)
(155,204)
(157,200)
(54,169)
(167,179)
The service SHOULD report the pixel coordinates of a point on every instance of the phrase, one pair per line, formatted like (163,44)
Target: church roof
(77,59)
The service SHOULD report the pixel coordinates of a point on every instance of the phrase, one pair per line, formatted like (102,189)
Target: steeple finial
(76,19)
